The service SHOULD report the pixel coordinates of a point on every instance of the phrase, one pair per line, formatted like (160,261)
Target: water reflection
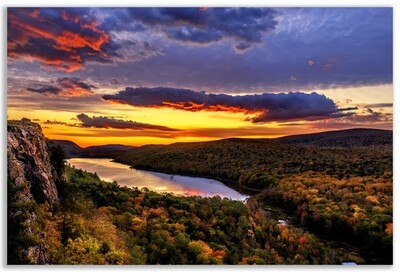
(158,182)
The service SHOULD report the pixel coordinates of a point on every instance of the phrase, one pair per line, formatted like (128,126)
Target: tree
(20,234)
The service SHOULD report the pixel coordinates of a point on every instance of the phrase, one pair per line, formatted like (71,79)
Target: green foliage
(257,164)
(20,234)
(57,157)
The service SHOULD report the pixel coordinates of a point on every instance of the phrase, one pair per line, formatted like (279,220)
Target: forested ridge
(259,163)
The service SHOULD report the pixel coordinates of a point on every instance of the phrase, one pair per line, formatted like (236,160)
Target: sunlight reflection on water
(158,182)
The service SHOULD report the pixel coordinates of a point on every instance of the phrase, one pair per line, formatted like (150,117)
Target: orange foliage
(389,229)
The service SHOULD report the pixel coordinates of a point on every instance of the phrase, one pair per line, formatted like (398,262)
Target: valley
(337,185)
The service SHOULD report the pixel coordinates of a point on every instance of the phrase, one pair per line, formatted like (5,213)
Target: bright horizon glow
(197,123)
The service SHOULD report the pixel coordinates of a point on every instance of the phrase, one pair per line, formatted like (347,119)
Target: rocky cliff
(29,162)
(32,179)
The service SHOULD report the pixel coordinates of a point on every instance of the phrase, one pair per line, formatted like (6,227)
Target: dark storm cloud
(45,89)
(267,107)
(68,87)
(244,26)
(106,122)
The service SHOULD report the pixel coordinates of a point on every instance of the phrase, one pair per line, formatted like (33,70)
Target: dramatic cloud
(74,86)
(68,38)
(68,87)
(46,90)
(267,107)
(105,122)
(131,48)
(155,46)
(198,26)
(61,38)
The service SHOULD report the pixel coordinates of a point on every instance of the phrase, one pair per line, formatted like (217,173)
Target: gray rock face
(28,161)
(29,167)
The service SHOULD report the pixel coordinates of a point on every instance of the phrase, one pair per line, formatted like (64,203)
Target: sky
(161,75)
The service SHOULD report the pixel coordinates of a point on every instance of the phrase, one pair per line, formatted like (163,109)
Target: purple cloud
(106,122)
(267,107)
(45,89)
(244,26)
(67,87)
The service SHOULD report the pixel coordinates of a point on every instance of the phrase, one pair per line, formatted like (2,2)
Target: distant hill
(73,150)
(342,138)
(105,151)
(254,163)
(360,137)
(70,148)
(107,148)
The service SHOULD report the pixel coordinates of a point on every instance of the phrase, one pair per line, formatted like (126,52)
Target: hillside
(72,150)
(343,138)
(255,163)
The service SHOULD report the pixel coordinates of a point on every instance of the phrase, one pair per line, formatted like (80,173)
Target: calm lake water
(158,182)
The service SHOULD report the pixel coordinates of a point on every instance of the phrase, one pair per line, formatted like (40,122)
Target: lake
(108,170)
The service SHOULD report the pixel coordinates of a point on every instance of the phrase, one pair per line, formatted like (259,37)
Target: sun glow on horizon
(195,126)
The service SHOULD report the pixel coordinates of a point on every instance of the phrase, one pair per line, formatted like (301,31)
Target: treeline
(103,223)
(348,138)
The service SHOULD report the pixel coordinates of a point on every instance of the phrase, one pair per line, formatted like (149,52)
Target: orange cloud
(69,41)
(62,40)
(192,106)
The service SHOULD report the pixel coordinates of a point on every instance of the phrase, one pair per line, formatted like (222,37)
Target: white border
(204,3)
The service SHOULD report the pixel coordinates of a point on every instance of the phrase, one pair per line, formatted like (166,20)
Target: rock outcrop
(31,178)
(28,161)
